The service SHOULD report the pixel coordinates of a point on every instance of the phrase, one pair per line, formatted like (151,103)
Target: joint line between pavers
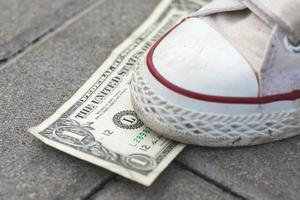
(211,181)
(47,35)
(99,187)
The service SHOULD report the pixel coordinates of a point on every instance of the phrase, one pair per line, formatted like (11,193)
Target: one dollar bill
(98,123)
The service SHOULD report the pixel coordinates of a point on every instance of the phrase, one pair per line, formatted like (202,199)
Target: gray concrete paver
(270,171)
(23,21)
(174,183)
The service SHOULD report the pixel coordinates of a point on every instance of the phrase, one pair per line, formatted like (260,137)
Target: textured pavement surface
(46,55)
(23,22)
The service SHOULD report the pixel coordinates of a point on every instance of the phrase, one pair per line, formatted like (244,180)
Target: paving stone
(35,84)
(23,21)
(174,183)
(270,171)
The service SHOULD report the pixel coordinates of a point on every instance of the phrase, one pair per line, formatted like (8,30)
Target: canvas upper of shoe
(275,31)
(197,58)
(231,51)
(245,31)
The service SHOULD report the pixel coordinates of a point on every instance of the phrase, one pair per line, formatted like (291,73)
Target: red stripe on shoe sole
(211,98)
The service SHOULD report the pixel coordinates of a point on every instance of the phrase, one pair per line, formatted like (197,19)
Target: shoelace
(285,13)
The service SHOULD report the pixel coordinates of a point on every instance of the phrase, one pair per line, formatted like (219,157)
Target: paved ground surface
(46,55)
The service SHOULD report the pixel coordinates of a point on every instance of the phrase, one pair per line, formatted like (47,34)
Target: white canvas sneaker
(229,75)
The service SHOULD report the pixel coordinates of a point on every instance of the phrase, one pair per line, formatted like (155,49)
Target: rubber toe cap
(197,58)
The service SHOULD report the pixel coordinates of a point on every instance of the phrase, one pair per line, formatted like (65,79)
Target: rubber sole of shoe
(209,129)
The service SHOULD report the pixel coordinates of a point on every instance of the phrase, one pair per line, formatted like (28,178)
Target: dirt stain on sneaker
(237,141)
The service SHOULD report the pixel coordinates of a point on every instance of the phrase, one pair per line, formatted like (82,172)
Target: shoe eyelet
(290,46)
